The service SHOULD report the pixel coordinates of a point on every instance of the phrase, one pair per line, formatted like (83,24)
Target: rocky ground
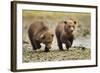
(55,55)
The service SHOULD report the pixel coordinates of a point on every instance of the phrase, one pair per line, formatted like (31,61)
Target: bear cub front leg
(68,45)
(46,49)
(60,46)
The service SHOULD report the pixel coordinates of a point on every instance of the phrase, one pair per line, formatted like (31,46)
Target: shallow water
(82,41)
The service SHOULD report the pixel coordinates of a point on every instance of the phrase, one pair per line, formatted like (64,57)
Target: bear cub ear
(42,37)
(65,22)
(75,22)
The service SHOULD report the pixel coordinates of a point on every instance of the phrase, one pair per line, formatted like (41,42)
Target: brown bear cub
(64,33)
(39,33)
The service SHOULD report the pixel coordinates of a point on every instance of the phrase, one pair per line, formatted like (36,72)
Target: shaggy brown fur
(64,33)
(39,33)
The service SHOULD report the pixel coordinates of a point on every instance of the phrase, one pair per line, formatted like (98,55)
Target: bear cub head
(47,39)
(69,26)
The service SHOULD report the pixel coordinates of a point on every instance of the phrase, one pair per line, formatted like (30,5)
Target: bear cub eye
(52,35)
